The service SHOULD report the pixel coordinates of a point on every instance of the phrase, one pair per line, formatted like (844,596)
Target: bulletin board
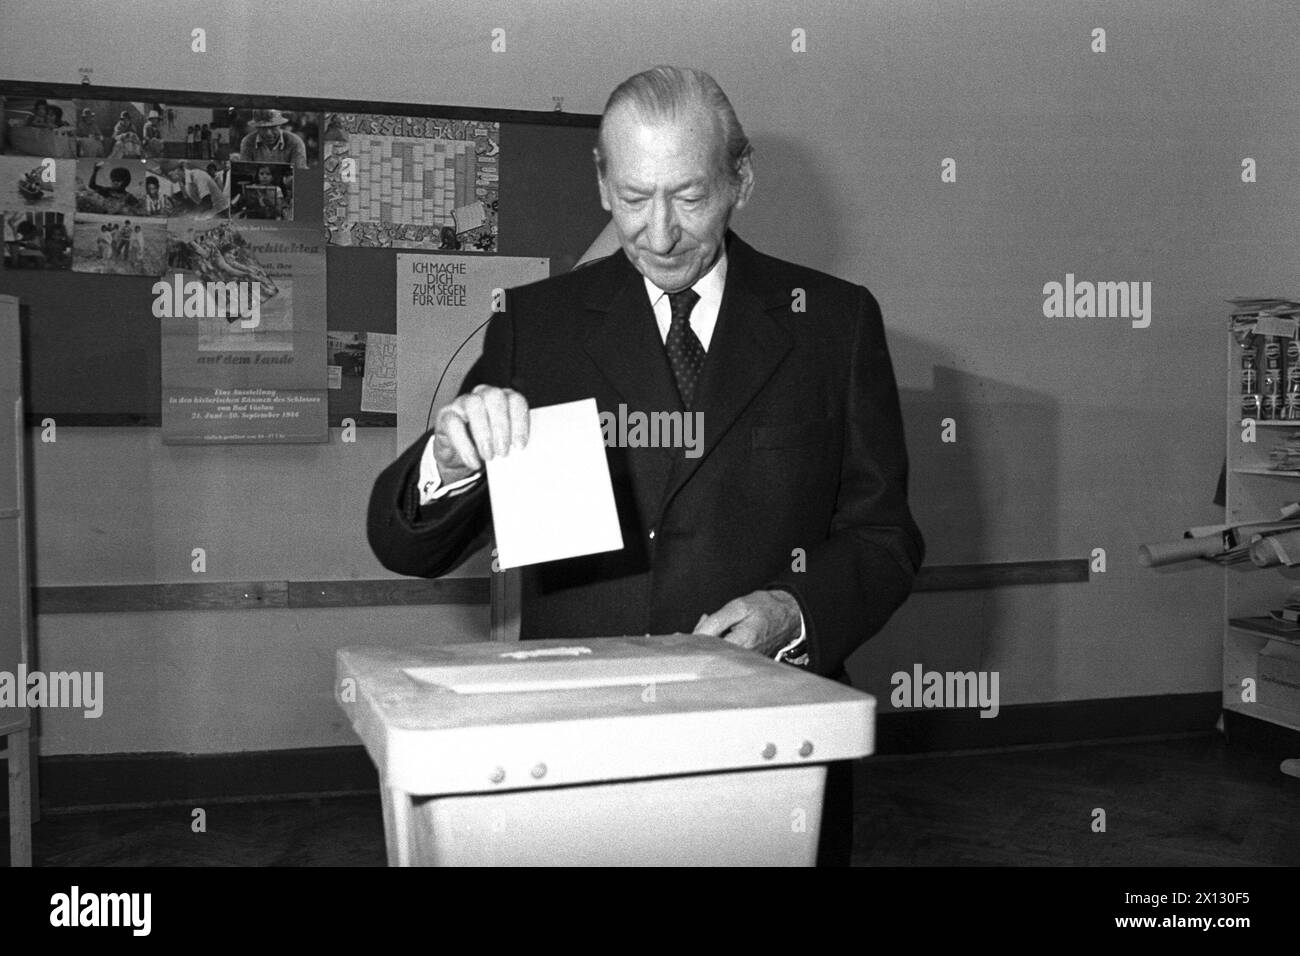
(93,359)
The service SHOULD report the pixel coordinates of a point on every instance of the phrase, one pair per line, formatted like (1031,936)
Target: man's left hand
(762,621)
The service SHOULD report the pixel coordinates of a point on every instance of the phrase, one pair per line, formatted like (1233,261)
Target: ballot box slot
(513,675)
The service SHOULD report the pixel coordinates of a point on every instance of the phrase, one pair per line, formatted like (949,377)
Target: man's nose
(662,230)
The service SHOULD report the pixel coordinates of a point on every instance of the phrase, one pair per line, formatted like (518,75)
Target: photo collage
(113,187)
(205,198)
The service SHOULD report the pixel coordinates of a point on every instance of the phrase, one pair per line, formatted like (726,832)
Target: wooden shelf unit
(1254,492)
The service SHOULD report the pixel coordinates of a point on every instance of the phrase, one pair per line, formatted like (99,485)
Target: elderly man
(790,533)
(269,142)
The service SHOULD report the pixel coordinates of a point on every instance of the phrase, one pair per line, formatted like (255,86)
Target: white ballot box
(666,750)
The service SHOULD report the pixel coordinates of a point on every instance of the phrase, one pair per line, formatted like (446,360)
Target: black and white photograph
(861,436)
(36,240)
(44,185)
(261,190)
(118,245)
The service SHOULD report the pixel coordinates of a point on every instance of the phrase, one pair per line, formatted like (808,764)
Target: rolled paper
(1170,552)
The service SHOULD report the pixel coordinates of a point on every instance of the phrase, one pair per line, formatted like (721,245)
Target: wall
(1072,434)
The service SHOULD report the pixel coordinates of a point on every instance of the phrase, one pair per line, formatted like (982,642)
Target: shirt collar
(709,286)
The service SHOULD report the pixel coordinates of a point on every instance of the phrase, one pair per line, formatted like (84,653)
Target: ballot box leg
(397,825)
(835,841)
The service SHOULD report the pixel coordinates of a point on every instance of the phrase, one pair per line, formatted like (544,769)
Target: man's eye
(634,200)
(692,200)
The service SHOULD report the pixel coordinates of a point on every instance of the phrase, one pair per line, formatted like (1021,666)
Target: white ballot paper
(554,499)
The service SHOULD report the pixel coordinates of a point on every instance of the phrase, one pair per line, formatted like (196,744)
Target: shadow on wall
(988,495)
(793,202)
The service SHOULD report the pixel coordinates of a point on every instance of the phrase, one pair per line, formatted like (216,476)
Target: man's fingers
(745,634)
(480,427)
(518,406)
(485,424)
(497,411)
(721,620)
(451,428)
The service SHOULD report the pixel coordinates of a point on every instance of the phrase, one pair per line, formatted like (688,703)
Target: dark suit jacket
(803,449)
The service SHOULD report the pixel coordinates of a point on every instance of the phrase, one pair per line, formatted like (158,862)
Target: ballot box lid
(469,718)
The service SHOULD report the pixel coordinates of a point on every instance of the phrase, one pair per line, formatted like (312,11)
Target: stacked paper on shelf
(1289,613)
(1278,317)
(1285,455)
(1246,309)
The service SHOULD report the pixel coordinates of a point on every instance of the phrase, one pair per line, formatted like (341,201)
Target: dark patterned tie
(685,353)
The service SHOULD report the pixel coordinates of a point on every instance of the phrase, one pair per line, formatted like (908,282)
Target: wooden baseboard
(1022,725)
(80,782)
(104,780)
(392,592)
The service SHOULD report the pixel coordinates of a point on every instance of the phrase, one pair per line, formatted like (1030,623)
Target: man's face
(671,204)
(176,175)
(267,134)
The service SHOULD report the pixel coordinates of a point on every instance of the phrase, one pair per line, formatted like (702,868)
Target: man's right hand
(477,427)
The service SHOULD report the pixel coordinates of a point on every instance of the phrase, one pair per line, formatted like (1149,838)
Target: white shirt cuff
(430,482)
(796,652)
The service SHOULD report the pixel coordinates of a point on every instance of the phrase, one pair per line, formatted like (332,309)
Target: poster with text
(411,182)
(242,313)
(443,305)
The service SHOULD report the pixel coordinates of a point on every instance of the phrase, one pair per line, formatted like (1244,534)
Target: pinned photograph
(274,136)
(119,245)
(36,240)
(84,129)
(261,191)
(195,189)
(347,352)
(37,185)
(40,127)
(110,187)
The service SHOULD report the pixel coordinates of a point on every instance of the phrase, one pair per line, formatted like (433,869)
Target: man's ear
(746,185)
(603,187)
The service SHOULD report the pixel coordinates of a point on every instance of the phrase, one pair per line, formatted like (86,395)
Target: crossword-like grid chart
(418,181)
(411,182)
